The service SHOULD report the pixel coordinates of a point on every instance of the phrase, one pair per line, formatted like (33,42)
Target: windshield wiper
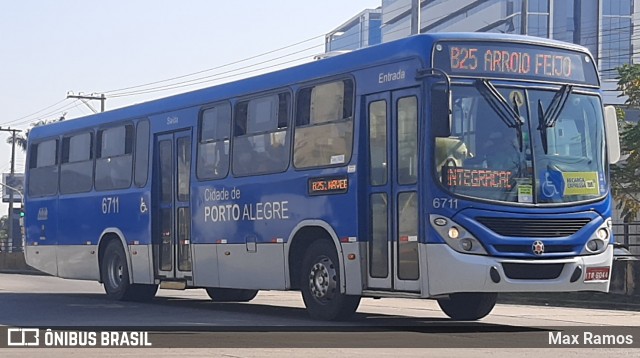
(548,118)
(509,115)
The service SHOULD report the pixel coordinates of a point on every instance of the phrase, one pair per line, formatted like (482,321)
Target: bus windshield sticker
(581,183)
(525,193)
(556,184)
(334,185)
(337,159)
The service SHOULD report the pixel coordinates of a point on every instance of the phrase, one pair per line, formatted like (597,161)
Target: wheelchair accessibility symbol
(143,206)
(548,187)
(552,184)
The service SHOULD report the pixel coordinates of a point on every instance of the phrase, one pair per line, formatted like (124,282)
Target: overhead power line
(168,85)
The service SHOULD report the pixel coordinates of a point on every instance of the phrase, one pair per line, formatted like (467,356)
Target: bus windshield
(528,146)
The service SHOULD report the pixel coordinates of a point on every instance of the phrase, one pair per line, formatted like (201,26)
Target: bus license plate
(597,274)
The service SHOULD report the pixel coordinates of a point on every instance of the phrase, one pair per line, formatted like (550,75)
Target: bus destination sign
(513,60)
(478,178)
(334,185)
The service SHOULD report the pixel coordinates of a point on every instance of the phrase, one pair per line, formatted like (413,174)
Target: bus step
(173,285)
(393,294)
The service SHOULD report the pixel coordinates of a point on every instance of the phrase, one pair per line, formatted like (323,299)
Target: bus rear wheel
(231,294)
(320,284)
(115,277)
(468,306)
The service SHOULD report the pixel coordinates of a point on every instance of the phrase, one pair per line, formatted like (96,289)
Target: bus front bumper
(451,272)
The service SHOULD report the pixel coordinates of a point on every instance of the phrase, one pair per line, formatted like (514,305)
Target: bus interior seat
(450,150)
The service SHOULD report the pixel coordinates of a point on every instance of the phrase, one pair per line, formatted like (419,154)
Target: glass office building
(605,27)
(360,31)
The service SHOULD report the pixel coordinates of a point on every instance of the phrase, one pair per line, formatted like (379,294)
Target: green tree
(624,175)
(21,138)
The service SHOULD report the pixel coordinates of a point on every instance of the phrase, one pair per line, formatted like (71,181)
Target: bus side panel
(139,239)
(77,239)
(78,262)
(80,232)
(41,229)
(241,266)
(250,221)
(205,265)
(354,269)
(141,263)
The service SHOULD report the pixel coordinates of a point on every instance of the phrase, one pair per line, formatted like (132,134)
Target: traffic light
(16,230)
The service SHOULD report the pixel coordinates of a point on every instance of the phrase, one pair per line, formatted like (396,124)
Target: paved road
(51,302)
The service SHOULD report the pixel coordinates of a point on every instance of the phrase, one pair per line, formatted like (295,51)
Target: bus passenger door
(172,216)
(393,259)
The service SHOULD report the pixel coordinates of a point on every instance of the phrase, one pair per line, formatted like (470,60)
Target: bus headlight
(595,245)
(603,234)
(599,240)
(456,236)
(466,244)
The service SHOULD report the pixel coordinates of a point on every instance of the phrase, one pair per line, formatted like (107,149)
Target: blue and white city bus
(444,166)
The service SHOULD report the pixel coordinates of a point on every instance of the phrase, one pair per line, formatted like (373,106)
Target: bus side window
(407,138)
(260,144)
(114,157)
(141,167)
(43,168)
(213,144)
(76,168)
(324,125)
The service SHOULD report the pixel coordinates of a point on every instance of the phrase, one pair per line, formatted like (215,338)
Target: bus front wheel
(468,306)
(320,284)
(115,277)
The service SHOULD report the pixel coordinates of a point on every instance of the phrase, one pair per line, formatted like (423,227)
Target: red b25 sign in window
(333,185)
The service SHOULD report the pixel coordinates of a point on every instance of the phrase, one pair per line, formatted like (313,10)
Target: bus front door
(172,217)
(393,258)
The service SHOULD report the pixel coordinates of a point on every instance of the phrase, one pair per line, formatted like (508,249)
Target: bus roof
(413,46)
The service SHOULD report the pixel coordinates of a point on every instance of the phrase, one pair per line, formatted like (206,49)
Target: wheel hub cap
(322,279)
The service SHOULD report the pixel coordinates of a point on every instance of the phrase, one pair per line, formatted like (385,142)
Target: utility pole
(415,16)
(524,21)
(13,160)
(100,98)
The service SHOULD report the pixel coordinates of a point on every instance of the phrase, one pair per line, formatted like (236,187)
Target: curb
(24,272)
(587,300)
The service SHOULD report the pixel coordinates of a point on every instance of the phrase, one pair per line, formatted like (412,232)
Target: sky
(51,48)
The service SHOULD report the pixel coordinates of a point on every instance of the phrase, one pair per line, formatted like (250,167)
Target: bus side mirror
(613,137)
(441,112)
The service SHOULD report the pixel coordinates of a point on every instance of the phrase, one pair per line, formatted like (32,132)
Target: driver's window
(455,149)
(464,122)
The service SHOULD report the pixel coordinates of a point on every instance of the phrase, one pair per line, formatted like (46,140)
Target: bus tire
(320,284)
(230,294)
(469,306)
(115,277)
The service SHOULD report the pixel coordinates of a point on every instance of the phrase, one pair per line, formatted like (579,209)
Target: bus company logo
(43,214)
(23,337)
(538,248)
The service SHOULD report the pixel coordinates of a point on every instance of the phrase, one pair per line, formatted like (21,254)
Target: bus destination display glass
(512,60)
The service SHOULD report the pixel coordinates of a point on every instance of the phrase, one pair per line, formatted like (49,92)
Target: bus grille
(534,227)
(526,249)
(532,272)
